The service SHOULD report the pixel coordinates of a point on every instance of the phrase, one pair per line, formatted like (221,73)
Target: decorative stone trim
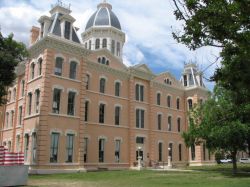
(102,137)
(69,131)
(118,138)
(58,87)
(72,90)
(55,131)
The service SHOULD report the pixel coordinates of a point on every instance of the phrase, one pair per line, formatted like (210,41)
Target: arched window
(40,61)
(104,43)
(179,124)
(193,152)
(90,44)
(170,153)
(113,47)
(158,99)
(86,111)
(72,72)
(180,152)
(87,81)
(200,101)
(169,101)
(102,85)
(14,94)
(159,119)
(178,104)
(97,43)
(118,52)
(169,123)
(107,62)
(32,70)
(99,60)
(117,89)
(9,96)
(117,115)
(58,66)
(190,104)
(103,60)
(160,151)
(86,45)
(37,93)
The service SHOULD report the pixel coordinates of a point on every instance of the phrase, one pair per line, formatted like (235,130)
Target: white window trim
(70,132)
(103,137)
(73,59)
(60,55)
(58,87)
(55,130)
(72,90)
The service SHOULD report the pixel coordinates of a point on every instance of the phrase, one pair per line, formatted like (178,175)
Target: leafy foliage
(11,53)
(218,123)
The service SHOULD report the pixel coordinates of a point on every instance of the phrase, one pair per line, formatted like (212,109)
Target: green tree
(11,53)
(218,123)
(224,24)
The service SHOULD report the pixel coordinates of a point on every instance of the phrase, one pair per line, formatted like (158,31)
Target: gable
(143,67)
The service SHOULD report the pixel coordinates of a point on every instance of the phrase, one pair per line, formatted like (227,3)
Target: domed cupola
(103,31)
(104,16)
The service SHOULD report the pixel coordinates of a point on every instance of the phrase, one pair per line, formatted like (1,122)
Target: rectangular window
(140,140)
(71,103)
(86,111)
(56,101)
(159,121)
(117,150)
(191,80)
(67,30)
(139,92)
(69,147)
(140,118)
(29,103)
(37,100)
(54,147)
(12,118)
(101,113)
(160,151)
(34,147)
(101,150)
(117,89)
(85,149)
(117,115)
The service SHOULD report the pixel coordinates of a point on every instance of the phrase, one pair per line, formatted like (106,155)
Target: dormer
(59,23)
(191,77)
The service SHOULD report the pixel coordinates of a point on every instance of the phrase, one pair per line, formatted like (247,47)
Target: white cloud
(148,26)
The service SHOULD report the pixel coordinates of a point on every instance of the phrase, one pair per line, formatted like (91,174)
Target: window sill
(32,80)
(64,115)
(31,116)
(103,124)
(65,78)
(7,129)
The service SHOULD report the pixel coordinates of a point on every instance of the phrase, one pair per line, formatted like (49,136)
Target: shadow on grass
(226,170)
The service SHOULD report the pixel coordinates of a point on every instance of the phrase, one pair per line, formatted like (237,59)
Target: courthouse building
(75,106)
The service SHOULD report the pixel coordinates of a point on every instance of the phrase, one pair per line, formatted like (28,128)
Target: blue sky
(148,25)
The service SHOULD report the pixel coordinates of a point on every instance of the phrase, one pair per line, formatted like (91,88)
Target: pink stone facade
(56,138)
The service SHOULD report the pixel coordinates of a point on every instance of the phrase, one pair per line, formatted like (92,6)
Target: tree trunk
(234,160)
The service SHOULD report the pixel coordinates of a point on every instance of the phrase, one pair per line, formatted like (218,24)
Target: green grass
(215,176)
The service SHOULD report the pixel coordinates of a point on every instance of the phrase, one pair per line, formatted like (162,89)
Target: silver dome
(104,16)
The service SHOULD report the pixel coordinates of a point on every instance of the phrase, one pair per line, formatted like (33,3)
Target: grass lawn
(212,176)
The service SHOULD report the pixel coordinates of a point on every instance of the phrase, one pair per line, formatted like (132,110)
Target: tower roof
(104,16)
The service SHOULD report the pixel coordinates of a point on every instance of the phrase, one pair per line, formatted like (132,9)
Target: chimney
(34,34)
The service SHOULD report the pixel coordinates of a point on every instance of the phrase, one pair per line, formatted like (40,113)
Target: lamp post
(169,159)
(139,158)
